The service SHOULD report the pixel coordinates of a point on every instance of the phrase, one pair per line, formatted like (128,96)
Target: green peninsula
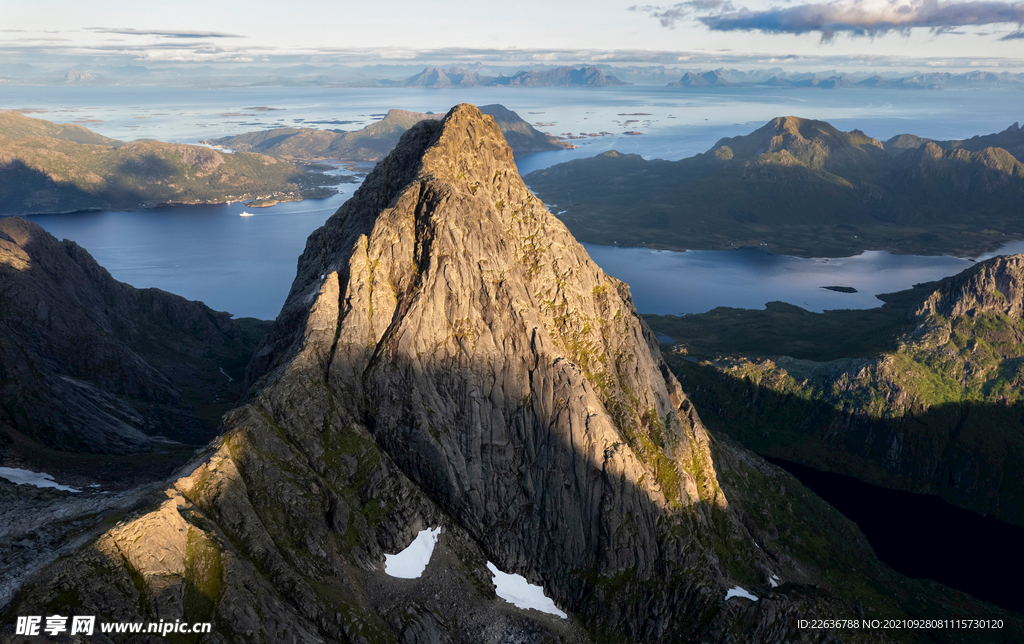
(47,167)
(801,187)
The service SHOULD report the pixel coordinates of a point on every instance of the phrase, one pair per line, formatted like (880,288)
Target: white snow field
(516,590)
(410,563)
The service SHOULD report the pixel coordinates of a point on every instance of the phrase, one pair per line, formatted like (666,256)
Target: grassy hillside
(14,125)
(923,395)
(45,168)
(800,187)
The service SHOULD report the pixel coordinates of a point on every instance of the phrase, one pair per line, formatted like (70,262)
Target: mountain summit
(449,356)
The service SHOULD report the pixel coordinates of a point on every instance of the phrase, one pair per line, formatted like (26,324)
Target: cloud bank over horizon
(852,17)
(162,33)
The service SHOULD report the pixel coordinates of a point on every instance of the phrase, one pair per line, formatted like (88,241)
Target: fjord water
(245,265)
(673,283)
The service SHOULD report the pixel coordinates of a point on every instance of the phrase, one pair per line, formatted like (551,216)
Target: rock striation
(450,356)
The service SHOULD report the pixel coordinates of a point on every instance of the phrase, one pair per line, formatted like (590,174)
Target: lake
(246,265)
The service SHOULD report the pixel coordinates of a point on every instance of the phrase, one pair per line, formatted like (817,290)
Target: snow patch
(516,590)
(736,591)
(38,479)
(411,562)
(774,581)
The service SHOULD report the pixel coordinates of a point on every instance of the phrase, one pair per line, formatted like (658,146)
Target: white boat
(246,214)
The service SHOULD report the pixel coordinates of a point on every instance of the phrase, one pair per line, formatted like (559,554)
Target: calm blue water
(246,265)
(666,282)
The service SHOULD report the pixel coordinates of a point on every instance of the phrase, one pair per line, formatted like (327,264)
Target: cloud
(1017,35)
(164,33)
(868,17)
(669,16)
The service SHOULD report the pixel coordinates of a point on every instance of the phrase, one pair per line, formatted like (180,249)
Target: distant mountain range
(377,139)
(46,167)
(707,79)
(801,187)
(467,75)
(560,76)
(835,80)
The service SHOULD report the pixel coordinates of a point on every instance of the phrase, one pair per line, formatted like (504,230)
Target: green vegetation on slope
(924,396)
(52,168)
(14,125)
(799,186)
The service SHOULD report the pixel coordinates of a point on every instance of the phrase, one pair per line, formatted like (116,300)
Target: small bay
(675,283)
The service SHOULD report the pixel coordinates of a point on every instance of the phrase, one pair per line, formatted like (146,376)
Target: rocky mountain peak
(815,144)
(993,286)
(450,356)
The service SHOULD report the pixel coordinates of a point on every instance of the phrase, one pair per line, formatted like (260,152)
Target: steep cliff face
(500,368)
(995,286)
(449,356)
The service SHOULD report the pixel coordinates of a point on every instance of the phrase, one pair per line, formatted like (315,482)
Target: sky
(844,34)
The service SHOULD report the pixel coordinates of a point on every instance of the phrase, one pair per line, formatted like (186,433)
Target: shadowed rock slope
(91,365)
(450,356)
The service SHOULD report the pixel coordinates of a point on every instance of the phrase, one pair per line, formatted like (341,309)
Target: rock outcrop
(449,356)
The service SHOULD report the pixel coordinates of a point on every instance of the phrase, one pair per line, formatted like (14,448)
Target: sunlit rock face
(450,357)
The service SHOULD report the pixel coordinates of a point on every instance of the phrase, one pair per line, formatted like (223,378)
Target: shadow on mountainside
(966,454)
(91,368)
(924,537)
(25,190)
